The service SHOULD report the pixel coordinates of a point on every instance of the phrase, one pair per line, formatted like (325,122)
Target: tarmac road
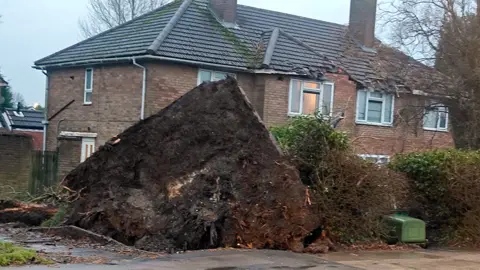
(217,260)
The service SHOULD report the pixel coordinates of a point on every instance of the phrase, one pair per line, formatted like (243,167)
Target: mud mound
(202,173)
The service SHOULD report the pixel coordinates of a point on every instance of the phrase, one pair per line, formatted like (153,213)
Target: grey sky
(32,29)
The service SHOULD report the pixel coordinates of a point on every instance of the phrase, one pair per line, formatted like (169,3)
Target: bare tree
(106,14)
(18,100)
(444,34)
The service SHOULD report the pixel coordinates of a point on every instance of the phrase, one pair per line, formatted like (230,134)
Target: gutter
(142,57)
(45,120)
(144,90)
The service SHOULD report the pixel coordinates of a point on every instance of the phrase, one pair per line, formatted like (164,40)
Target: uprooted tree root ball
(202,173)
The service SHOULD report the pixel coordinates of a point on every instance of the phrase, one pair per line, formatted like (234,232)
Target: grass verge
(15,255)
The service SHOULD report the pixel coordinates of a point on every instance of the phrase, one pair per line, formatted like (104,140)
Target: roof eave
(126,59)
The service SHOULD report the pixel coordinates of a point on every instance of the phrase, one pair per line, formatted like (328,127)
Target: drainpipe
(144,90)
(45,120)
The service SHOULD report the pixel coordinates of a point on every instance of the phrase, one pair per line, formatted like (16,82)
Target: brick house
(288,65)
(25,121)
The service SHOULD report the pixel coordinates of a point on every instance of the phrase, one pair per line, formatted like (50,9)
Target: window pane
(383,161)
(443,118)
(311,85)
(88,97)
(219,76)
(374,111)
(205,76)
(295,95)
(388,109)
(310,103)
(376,95)
(88,78)
(361,105)
(371,159)
(431,118)
(327,99)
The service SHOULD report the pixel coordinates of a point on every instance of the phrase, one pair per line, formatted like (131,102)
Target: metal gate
(44,172)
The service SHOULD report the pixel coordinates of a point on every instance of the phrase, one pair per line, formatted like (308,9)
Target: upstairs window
(377,159)
(212,76)
(87,94)
(436,118)
(374,108)
(310,97)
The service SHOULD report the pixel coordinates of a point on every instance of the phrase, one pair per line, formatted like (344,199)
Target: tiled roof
(187,30)
(25,119)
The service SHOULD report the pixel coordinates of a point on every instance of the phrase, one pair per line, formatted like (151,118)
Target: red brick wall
(69,151)
(15,164)
(115,102)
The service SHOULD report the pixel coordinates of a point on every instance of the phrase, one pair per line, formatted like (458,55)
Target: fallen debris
(202,173)
(29,214)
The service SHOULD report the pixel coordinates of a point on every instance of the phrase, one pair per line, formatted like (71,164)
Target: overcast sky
(32,29)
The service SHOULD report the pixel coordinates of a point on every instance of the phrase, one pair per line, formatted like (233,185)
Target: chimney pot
(225,10)
(363,14)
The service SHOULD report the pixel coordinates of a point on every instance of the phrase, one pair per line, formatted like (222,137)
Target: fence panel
(44,172)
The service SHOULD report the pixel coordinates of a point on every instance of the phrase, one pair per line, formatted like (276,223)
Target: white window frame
(212,76)
(87,151)
(88,90)
(383,100)
(438,128)
(302,88)
(378,157)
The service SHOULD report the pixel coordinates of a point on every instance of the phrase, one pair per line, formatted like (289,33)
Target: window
(374,108)
(87,95)
(307,98)
(436,118)
(211,76)
(376,159)
(88,148)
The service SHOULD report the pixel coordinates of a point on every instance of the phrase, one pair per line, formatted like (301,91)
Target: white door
(88,147)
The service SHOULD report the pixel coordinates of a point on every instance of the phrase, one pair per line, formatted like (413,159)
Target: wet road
(218,260)
(415,260)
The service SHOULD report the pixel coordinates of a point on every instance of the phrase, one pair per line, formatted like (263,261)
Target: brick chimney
(362,21)
(225,10)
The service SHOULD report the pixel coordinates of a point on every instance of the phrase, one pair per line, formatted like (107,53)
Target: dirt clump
(202,173)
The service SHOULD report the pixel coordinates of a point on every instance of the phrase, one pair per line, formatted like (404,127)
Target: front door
(88,147)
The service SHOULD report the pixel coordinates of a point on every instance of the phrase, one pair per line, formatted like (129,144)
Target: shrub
(350,194)
(446,185)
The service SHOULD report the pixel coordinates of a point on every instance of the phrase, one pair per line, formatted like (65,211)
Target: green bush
(349,194)
(309,140)
(446,188)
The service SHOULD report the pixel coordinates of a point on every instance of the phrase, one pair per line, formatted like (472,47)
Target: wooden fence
(44,172)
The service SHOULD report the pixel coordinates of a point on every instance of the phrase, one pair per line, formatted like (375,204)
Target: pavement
(418,259)
(216,260)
